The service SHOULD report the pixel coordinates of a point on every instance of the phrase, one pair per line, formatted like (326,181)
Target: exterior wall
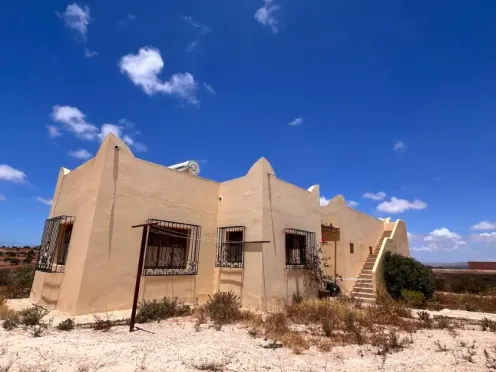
(396,243)
(75,195)
(472,265)
(355,227)
(132,191)
(286,207)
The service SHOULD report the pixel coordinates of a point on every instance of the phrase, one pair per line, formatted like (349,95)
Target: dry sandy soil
(175,345)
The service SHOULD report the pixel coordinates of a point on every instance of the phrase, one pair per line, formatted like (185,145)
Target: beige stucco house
(251,235)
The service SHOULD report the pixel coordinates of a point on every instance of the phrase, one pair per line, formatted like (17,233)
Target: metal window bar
(173,248)
(55,244)
(300,248)
(230,243)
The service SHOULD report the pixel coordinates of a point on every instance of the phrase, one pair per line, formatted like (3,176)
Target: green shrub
(223,308)
(66,325)
(407,273)
(413,298)
(150,311)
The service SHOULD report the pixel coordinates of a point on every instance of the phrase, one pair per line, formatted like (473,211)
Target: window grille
(300,249)
(173,248)
(230,242)
(55,244)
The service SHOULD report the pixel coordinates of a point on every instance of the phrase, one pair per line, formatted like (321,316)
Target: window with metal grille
(352,248)
(172,248)
(230,242)
(300,248)
(55,243)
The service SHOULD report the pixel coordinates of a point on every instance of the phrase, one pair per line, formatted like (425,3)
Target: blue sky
(390,103)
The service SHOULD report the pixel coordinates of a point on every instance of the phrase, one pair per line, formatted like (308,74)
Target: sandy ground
(175,345)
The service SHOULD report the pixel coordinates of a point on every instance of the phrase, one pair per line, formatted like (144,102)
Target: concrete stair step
(370,296)
(362,290)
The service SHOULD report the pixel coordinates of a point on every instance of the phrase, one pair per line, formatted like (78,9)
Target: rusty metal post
(144,241)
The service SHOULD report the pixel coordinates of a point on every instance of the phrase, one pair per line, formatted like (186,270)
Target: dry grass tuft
(295,341)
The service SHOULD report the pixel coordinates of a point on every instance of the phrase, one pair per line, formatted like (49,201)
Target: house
(253,235)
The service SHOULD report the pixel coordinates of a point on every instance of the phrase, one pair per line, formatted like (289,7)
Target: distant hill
(447,265)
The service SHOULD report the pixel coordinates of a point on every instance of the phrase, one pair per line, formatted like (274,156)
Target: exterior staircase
(363,289)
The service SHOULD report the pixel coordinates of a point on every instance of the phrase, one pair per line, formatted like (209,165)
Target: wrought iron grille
(173,248)
(230,242)
(55,244)
(300,248)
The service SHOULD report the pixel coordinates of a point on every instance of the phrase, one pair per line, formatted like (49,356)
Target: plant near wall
(318,265)
(406,273)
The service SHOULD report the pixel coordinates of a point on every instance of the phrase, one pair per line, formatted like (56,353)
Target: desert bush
(276,325)
(223,308)
(467,301)
(407,273)
(150,311)
(488,325)
(297,298)
(9,324)
(32,316)
(425,318)
(413,298)
(66,325)
(102,324)
(16,283)
(295,341)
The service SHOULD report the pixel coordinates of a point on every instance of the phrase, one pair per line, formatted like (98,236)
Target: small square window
(371,250)
(352,248)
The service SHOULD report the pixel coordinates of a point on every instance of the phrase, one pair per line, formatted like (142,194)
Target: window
(172,248)
(352,248)
(370,249)
(230,242)
(55,242)
(300,246)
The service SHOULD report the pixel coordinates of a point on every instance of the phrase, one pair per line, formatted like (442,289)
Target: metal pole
(144,240)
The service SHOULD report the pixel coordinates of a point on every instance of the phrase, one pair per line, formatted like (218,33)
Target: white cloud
(3,197)
(53,131)
(297,121)
(74,121)
(441,239)
(80,154)
(89,54)
(7,173)
(487,237)
(265,15)
(378,196)
(210,89)
(485,225)
(353,203)
(44,201)
(76,18)
(143,70)
(323,201)
(400,205)
(399,145)
(203,28)
(410,235)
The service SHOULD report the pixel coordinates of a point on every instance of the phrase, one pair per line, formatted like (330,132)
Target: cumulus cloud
(487,237)
(353,203)
(44,200)
(53,131)
(377,196)
(400,205)
(80,154)
(485,225)
(209,88)
(74,121)
(143,70)
(399,145)
(410,235)
(7,173)
(76,18)
(441,239)
(265,15)
(297,121)
(324,201)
